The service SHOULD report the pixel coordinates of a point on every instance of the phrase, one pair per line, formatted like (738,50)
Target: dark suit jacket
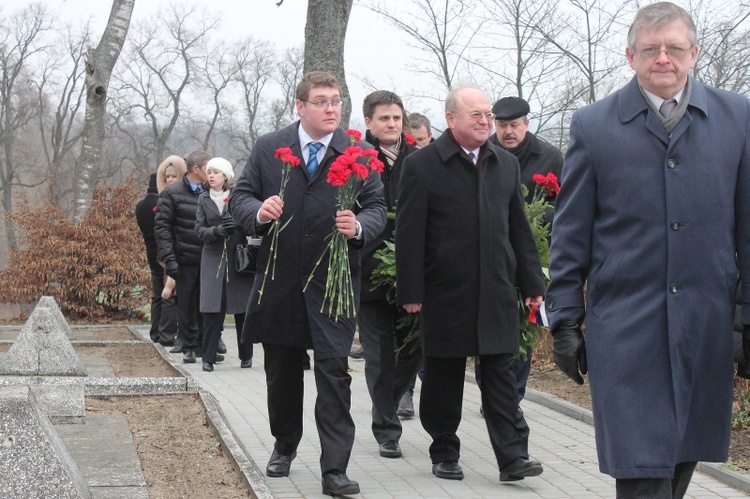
(286,315)
(462,244)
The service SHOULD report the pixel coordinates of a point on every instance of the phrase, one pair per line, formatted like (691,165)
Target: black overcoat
(286,315)
(462,244)
(215,260)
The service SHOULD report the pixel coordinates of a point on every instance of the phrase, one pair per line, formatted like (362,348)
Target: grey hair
(417,120)
(451,100)
(657,15)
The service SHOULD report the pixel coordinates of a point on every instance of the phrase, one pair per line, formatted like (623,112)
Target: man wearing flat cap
(535,156)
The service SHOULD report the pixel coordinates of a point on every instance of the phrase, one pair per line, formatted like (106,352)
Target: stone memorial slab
(42,348)
(34,463)
(50,303)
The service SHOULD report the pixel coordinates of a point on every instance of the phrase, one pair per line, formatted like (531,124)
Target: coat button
(550,305)
(671,164)
(306,233)
(675,225)
(673,288)
(308,191)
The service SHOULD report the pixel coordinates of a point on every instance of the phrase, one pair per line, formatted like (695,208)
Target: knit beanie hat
(222,165)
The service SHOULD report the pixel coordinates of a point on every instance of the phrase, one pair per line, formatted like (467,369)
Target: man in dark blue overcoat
(653,217)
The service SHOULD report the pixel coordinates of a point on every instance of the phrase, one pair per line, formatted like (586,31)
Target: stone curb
(251,475)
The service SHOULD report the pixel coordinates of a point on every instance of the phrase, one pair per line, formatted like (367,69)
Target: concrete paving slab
(561,439)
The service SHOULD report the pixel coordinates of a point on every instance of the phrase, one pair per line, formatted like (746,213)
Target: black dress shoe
(450,470)
(177,347)
(188,357)
(279,464)
(390,449)
(336,483)
(246,363)
(519,469)
(208,367)
(167,343)
(219,358)
(222,348)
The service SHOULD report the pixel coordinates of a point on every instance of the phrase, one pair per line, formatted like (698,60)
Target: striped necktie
(312,159)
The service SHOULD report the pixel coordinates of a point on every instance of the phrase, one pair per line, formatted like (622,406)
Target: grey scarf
(671,122)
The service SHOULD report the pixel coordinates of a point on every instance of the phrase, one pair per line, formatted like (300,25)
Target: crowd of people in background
(465,252)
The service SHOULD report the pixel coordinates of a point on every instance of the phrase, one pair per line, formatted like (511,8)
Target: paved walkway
(564,445)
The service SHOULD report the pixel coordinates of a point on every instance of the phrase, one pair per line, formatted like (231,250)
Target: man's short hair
(197,158)
(314,79)
(380,98)
(417,120)
(451,100)
(657,15)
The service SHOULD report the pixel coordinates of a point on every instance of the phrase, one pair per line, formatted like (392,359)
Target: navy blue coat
(653,223)
(286,315)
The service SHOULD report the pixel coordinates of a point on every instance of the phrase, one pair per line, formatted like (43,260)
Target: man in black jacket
(388,375)
(163,313)
(535,156)
(180,248)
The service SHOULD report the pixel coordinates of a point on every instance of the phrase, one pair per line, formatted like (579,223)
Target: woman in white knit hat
(223,290)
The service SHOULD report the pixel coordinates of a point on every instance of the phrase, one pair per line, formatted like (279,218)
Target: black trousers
(657,488)
(442,398)
(163,312)
(213,324)
(388,373)
(285,385)
(189,319)
(521,369)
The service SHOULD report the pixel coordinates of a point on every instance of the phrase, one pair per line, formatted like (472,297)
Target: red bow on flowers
(549,182)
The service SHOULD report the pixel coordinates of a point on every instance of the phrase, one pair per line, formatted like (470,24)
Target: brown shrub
(95,270)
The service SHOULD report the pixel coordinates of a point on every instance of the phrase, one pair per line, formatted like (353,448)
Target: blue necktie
(312,159)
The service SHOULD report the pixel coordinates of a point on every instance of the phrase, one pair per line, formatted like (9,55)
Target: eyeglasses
(323,104)
(477,116)
(672,52)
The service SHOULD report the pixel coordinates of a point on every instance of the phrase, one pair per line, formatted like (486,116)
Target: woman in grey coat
(223,290)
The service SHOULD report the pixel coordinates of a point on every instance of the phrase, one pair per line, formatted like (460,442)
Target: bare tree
(288,74)
(444,30)
(61,89)
(724,40)
(215,74)
(587,42)
(99,64)
(520,61)
(325,33)
(161,61)
(19,43)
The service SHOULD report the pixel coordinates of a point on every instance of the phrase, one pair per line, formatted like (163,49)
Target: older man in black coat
(288,320)
(463,243)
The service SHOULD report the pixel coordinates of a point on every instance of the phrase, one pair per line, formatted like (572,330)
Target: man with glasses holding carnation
(287,321)
(653,218)
(463,243)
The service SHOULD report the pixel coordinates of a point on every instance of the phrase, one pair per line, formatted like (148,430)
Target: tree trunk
(325,33)
(99,64)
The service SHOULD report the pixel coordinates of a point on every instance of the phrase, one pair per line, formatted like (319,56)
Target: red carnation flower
(354,135)
(410,139)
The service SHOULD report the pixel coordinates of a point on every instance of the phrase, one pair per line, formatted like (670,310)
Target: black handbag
(246,256)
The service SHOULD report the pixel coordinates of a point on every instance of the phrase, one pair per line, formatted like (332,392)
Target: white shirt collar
(658,101)
(474,151)
(305,139)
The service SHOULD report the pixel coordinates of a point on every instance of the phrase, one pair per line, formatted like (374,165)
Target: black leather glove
(569,350)
(229,224)
(172,269)
(220,231)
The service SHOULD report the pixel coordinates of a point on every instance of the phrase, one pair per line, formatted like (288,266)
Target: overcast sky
(285,26)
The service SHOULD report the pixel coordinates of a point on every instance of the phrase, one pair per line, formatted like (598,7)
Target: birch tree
(99,64)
